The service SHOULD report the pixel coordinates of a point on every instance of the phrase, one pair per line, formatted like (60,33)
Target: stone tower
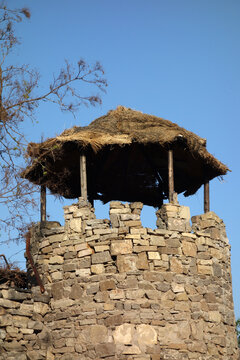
(110,288)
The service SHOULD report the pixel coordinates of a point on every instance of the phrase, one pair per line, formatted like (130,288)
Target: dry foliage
(12,276)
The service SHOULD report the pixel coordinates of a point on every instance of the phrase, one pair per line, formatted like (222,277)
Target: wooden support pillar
(43,204)
(206,197)
(83,177)
(170,177)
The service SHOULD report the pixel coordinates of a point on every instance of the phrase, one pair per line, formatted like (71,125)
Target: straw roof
(126,154)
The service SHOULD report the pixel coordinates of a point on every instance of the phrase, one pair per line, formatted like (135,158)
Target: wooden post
(206,197)
(83,177)
(43,203)
(170,176)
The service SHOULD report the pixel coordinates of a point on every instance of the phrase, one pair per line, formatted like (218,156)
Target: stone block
(82,246)
(214,316)
(210,297)
(205,269)
(169,250)
(176,224)
(105,350)
(37,296)
(177,288)
(85,252)
(107,285)
(56,276)
(153,276)
(56,260)
(92,288)
(20,321)
(135,294)
(76,225)
(102,297)
(154,357)
(41,308)
(127,263)
(84,262)
(2,334)
(142,261)
(123,334)
(92,238)
(120,211)
(102,257)
(68,268)
(61,303)
(114,218)
(146,335)
(114,320)
(102,231)
(174,333)
(9,303)
(117,294)
(57,290)
(165,257)
(47,249)
(57,238)
(189,248)
(98,334)
(181,296)
(100,248)
(163,286)
(198,346)
(125,217)
(157,241)
(153,255)
(14,346)
(12,294)
(76,292)
(197,329)
(176,266)
(217,254)
(6,320)
(217,270)
(138,231)
(70,254)
(97,269)
(182,306)
(109,306)
(133,223)
(83,272)
(173,242)
(153,294)
(121,247)
(184,212)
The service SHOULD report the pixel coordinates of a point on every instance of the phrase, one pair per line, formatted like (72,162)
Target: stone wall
(116,290)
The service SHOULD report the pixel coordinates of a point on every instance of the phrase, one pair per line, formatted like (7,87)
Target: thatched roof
(126,159)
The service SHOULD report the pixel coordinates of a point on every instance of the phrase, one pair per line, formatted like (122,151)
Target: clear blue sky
(175,59)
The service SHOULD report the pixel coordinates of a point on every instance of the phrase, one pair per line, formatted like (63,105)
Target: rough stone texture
(120,291)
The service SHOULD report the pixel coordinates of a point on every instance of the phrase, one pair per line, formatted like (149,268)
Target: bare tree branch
(19,100)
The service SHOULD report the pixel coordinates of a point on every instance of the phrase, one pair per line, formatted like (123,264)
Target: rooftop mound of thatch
(126,159)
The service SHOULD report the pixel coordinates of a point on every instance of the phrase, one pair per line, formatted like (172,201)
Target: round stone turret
(118,290)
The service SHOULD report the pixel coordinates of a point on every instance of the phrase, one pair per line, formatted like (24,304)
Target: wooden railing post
(83,177)
(43,211)
(170,177)
(206,197)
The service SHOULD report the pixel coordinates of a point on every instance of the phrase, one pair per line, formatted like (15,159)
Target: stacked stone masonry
(116,290)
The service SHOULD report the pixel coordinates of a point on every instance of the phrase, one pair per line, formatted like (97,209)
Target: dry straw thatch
(126,159)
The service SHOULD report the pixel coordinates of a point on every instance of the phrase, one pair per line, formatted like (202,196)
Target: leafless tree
(19,99)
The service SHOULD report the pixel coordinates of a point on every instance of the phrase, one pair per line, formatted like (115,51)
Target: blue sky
(175,59)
